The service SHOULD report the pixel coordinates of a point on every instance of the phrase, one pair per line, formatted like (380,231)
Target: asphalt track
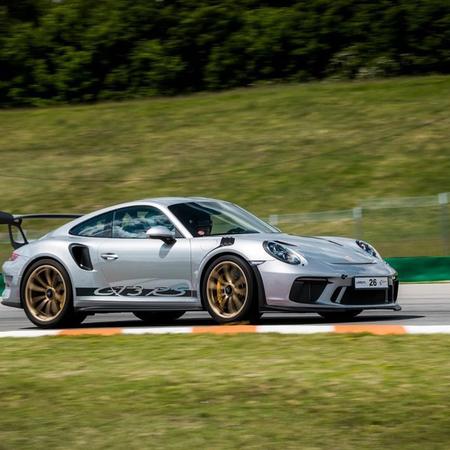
(421,305)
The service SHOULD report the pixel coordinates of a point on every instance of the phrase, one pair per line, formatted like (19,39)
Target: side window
(98,226)
(134,221)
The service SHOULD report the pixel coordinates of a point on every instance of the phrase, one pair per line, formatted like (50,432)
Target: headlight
(368,249)
(281,252)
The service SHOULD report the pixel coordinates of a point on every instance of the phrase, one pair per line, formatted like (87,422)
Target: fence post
(273,219)
(443,202)
(357,222)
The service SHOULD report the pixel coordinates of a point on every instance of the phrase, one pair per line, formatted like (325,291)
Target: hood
(338,251)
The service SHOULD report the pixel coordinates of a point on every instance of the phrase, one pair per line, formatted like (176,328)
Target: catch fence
(406,226)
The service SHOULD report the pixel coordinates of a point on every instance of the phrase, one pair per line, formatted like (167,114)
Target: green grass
(245,391)
(272,149)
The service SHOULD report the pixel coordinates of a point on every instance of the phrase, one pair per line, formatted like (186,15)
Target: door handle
(109,256)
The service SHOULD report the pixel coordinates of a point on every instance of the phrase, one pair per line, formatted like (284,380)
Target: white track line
(158,330)
(427,329)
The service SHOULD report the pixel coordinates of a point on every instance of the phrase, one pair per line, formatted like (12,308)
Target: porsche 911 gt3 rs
(159,258)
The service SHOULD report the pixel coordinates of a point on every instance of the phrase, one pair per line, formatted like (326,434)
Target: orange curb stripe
(372,329)
(225,329)
(91,331)
(235,329)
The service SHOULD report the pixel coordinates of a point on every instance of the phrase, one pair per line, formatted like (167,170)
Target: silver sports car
(159,258)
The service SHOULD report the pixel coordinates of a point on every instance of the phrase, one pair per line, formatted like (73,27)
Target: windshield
(217,218)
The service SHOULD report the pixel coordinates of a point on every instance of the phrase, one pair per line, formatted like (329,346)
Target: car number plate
(371,283)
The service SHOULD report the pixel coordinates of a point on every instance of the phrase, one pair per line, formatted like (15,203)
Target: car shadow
(267,319)
(312,320)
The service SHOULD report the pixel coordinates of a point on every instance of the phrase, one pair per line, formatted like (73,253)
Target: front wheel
(153,317)
(228,290)
(340,316)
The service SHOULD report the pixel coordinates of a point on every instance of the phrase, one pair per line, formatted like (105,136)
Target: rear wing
(14,223)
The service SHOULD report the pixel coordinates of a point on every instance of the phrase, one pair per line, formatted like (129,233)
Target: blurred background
(322,117)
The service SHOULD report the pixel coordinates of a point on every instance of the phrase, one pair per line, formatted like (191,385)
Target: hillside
(272,149)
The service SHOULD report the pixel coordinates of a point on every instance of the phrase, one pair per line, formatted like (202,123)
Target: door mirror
(160,232)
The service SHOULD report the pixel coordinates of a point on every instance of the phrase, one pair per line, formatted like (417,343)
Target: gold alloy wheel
(45,293)
(227,289)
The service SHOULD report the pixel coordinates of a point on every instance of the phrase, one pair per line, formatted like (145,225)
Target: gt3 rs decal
(135,291)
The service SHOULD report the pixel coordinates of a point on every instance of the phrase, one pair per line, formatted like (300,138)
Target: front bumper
(325,287)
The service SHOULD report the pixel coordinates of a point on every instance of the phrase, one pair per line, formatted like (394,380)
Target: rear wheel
(340,316)
(158,316)
(47,296)
(228,290)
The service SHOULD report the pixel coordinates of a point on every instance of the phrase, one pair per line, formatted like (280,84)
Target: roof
(160,201)
(167,201)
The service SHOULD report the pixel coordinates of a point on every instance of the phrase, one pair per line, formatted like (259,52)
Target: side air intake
(80,254)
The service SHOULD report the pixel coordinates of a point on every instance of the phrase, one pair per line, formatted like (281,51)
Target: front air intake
(361,297)
(307,290)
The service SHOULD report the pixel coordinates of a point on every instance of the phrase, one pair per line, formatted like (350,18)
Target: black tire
(154,317)
(31,290)
(220,308)
(340,316)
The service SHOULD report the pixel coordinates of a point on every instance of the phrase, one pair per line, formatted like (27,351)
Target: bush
(83,50)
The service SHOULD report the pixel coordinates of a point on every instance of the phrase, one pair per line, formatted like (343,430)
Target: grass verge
(252,391)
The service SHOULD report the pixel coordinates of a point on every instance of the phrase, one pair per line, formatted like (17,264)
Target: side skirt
(317,308)
(108,305)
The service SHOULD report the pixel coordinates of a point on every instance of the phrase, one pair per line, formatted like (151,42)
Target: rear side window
(133,222)
(98,226)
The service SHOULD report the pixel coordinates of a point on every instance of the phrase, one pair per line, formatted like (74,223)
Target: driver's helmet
(200,224)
